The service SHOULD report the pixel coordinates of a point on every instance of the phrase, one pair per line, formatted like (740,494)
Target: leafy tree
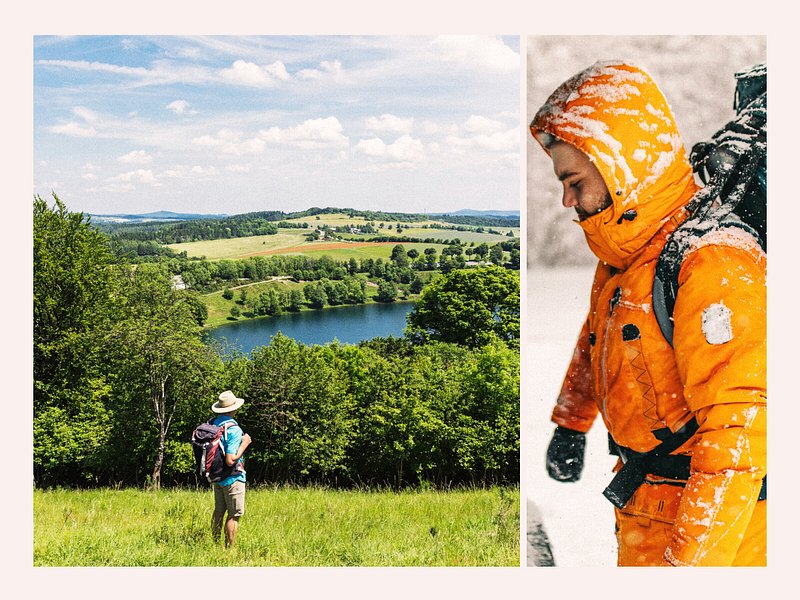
(416,285)
(356,292)
(227,293)
(482,249)
(387,292)
(71,279)
(469,307)
(72,283)
(235,312)
(413,253)
(496,254)
(316,295)
(300,411)
(156,351)
(399,256)
(198,307)
(295,300)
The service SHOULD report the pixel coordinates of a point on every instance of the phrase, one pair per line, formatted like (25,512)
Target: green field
(241,247)
(219,309)
(293,241)
(464,236)
(281,527)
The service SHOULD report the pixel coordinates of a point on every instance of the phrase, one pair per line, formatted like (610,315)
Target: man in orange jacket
(617,151)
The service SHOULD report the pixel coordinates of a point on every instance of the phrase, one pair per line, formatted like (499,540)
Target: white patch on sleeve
(717,324)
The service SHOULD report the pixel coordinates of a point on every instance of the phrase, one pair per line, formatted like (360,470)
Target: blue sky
(239,124)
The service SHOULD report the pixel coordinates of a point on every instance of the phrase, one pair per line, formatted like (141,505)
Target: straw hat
(227,403)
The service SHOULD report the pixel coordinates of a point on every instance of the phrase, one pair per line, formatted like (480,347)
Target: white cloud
(390,123)
(473,51)
(180,107)
(496,142)
(83,65)
(250,74)
(230,142)
(86,114)
(326,69)
(238,168)
(74,130)
(187,172)
(117,188)
(482,125)
(137,176)
(311,134)
(198,170)
(85,129)
(484,134)
(404,149)
(136,157)
(89,176)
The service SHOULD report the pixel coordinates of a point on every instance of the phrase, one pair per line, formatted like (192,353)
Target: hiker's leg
(234,497)
(231,528)
(219,512)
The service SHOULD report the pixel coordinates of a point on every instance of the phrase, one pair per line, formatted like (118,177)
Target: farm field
(243,246)
(292,243)
(464,236)
(282,526)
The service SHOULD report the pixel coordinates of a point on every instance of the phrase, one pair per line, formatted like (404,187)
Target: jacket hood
(616,114)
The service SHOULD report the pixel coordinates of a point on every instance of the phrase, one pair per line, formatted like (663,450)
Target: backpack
(733,167)
(209,454)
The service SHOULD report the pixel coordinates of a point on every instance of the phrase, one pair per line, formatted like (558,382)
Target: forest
(122,375)
(267,223)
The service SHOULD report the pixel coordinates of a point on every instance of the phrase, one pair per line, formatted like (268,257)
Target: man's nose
(568,199)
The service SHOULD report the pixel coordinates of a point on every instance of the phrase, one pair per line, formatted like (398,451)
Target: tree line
(268,222)
(122,375)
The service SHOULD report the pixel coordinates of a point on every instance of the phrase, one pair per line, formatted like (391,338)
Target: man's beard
(583,215)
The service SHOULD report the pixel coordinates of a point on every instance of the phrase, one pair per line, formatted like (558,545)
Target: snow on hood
(616,114)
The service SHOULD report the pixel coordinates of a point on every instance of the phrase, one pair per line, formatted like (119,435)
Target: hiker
(686,416)
(229,492)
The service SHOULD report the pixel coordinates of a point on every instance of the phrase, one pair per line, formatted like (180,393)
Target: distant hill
(166,227)
(163,216)
(500,214)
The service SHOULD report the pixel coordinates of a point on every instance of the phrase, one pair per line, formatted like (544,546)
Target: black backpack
(209,454)
(733,167)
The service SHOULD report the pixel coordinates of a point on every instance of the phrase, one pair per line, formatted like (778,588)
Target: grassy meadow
(293,241)
(219,309)
(282,526)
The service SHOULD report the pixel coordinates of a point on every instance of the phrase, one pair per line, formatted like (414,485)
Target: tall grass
(282,526)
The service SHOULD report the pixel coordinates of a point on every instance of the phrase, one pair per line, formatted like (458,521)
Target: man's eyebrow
(563,176)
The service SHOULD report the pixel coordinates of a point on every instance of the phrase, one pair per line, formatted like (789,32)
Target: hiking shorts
(229,498)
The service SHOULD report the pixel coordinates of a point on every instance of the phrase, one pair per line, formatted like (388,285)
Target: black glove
(565,454)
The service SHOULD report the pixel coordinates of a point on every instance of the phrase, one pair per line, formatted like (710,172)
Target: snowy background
(696,75)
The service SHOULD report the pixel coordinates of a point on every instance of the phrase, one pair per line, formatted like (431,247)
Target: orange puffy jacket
(623,367)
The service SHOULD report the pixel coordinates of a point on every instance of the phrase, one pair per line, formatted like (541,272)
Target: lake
(348,324)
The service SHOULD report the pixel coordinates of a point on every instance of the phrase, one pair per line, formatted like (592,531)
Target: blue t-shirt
(230,443)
